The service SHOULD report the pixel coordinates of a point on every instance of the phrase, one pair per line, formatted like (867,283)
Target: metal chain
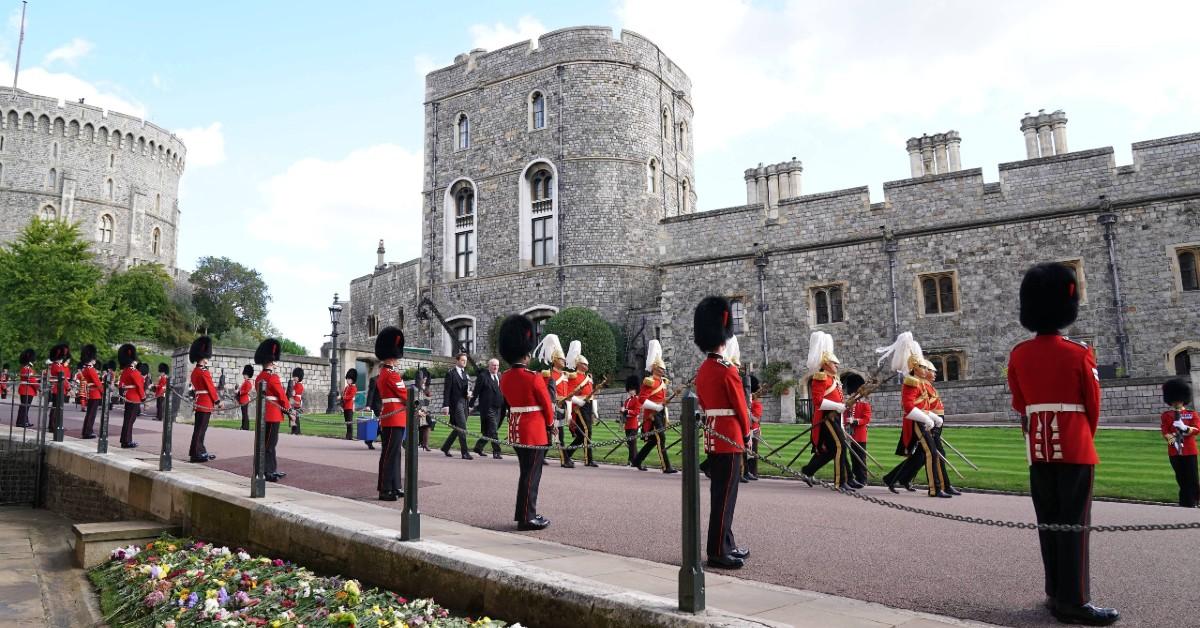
(590,445)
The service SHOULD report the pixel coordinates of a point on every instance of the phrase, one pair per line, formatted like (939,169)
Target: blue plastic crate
(368,429)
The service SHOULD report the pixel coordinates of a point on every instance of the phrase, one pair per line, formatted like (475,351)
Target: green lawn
(1133,462)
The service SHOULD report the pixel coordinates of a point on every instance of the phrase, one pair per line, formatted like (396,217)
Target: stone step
(95,541)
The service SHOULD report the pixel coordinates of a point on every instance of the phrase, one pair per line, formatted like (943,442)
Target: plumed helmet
(733,351)
(248,370)
(201,349)
(87,354)
(820,351)
(352,375)
(268,351)
(632,382)
(712,323)
(163,368)
(126,355)
(1049,298)
(905,354)
(654,355)
(851,382)
(515,338)
(298,373)
(755,385)
(581,360)
(143,368)
(550,349)
(1177,390)
(573,351)
(27,356)
(389,344)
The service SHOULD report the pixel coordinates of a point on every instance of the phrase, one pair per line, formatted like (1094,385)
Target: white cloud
(69,87)
(70,52)
(499,35)
(424,64)
(205,145)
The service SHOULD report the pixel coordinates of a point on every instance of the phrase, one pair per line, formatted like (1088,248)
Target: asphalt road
(800,537)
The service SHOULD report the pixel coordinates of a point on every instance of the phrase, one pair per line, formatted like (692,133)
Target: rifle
(595,389)
(1180,435)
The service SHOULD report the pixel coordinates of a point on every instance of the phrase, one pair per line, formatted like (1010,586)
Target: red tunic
(530,409)
(160,389)
(348,395)
(29,382)
(823,387)
(298,397)
(91,382)
(911,396)
(57,369)
(394,397)
(132,385)
(559,381)
(720,393)
(4,382)
(861,412)
(756,412)
(633,407)
(206,392)
(275,400)
(244,390)
(654,389)
(1055,385)
(1191,419)
(576,381)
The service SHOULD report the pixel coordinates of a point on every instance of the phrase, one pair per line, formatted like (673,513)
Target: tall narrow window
(539,190)
(464,202)
(683,136)
(1,175)
(112,159)
(108,189)
(463,195)
(372,325)
(827,305)
(157,203)
(55,152)
(949,365)
(1183,363)
(464,336)
(537,111)
(52,179)
(666,123)
(737,310)
(155,241)
(652,176)
(1189,269)
(684,196)
(543,241)
(105,233)
(462,132)
(939,293)
(49,213)
(464,253)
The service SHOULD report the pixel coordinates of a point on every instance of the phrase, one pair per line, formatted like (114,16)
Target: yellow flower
(375,609)
(170,548)
(211,594)
(276,624)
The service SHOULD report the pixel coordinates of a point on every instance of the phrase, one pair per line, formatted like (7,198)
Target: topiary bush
(586,326)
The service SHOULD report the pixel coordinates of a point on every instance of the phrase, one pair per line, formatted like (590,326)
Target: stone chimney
(379,263)
(934,154)
(770,184)
(1045,134)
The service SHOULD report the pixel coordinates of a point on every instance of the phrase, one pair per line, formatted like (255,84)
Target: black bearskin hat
(852,382)
(126,355)
(712,324)
(53,355)
(516,339)
(163,368)
(754,384)
(632,383)
(267,351)
(87,354)
(143,368)
(389,344)
(352,375)
(298,373)
(5,367)
(1049,298)
(1177,390)
(64,352)
(201,349)
(27,356)
(248,370)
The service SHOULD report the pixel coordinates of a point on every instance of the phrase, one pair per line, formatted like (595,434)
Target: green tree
(139,303)
(228,295)
(586,326)
(238,338)
(288,345)
(50,289)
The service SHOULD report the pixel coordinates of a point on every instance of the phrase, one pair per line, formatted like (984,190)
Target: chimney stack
(379,263)
(1045,134)
(773,183)
(934,154)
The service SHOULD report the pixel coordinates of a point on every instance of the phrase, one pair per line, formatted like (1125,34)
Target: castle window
(684,196)
(464,201)
(543,241)
(464,338)
(827,305)
(459,250)
(950,365)
(683,137)
(464,254)
(112,159)
(538,315)
(52,179)
(462,132)
(538,215)
(652,176)
(156,241)
(49,213)
(1,142)
(54,152)
(666,123)
(539,189)
(537,111)
(1189,268)
(1183,363)
(104,233)
(939,293)
(1,174)
(400,318)
(737,315)
(108,189)
(157,203)
(372,325)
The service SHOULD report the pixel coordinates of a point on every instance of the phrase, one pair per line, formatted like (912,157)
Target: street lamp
(335,313)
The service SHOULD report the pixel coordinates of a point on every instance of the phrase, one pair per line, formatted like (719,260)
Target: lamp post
(761,261)
(335,313)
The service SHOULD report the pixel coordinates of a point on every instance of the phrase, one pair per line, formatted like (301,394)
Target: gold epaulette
(546,373)
(820,376)
(909,380)
(649,381)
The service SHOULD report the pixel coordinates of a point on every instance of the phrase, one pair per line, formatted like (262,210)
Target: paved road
(800,537)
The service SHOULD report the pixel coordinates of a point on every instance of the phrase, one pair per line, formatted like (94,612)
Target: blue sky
(303,120)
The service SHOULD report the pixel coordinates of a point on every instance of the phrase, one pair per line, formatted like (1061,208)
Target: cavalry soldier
(348,395)
(297,397)
(1056,389)
(857,420)
(550,352)
(727,429)
(60,357)
(828,434)
(733,354)
(937,411)
(90,385)
(916,442)
(28,387)
(653,398)
(132,387)
(581,406)
(632,410)
(207,399)
(275,403)
(1180,426)
(243,394)
(4,382)
(161,389)
(530,415)
(393,420)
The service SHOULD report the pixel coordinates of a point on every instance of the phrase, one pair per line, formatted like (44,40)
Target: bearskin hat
(389,343)
(298,373)
(163,368)
(126,355)
(87,354)
(53,354)
(851,382)
(248,370)
(64,352)
(27,356)
(712,324)
(515,338)
(143,368)
(1177,390)
(1049,298)
(5,367)
(632,383)
(201,349)
(352,375)
(755,385)
(268,351)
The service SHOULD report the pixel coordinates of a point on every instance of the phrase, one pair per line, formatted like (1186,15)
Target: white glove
(445,410)
(937,419)
(920,417)
(1180,425)
(577,400)
(827,404)
(650,405)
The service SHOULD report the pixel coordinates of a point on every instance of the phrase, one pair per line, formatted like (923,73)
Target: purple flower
(154,599)
(192,599)
(222,597)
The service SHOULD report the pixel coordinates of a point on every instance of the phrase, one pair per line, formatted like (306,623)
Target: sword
(862,449)
(800,453)
(789,441)
(960,454)
(950,464)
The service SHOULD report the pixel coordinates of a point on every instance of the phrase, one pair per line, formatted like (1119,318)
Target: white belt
(523,409)
(271,398)
(720,412)
(1054,407)
(201,392)
(391,400)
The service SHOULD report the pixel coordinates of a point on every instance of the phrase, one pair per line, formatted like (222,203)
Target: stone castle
(115,176)
(558,173)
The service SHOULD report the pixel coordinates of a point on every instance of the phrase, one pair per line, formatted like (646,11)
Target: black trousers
(132,410)
(936,433)
(858,464)
(1062,493)
(750,463)
(631,442)
(296,422)
(458,418)
(348,416)
(246,417)
(830,447)
(924,455)
(489,426)
(270,441)
(23,411)
(530,462)
(726,472)
(389,460)
(582,429)
(197,450)
(160,408)
(1189,482)
(654,441)
(89,418)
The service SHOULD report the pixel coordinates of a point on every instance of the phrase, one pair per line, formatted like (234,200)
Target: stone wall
(230,361)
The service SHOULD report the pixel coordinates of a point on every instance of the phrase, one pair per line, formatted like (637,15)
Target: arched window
(538,209)
(462,229)
(462,132)
(104,232)
(157,203)
(108,189)
(539,187)
(52,179)
(1189,268)
(112,160)
(666,123)
(683,136)
(464,201)
(372,325)
(685,196)
(156,241)
(537,111)
(1183,363)
(54,152)
(464,337)
(652,176)
(49,213)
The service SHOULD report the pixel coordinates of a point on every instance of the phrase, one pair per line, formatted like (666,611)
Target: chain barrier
(591,445)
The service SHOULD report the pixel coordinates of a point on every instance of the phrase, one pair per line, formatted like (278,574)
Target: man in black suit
(490,402)
(455,398)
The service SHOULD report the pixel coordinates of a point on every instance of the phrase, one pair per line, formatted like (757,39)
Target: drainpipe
(891,248)
(1109,220)
(561,274)
(761,262)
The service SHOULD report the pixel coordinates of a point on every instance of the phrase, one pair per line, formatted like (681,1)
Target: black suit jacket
(487,392)
(454,394)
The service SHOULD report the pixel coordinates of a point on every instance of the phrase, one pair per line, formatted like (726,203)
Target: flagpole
(20,43)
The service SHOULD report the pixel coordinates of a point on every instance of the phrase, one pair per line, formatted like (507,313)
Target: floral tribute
(177,582)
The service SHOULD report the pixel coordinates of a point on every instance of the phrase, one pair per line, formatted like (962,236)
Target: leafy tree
(139,303)
(229,295)
(586,326)
(238,338)
(290,346)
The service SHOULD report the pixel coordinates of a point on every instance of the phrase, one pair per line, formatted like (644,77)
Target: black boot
(1085,614)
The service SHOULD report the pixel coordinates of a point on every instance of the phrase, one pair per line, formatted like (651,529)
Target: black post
(333,371)
(58,409)
(102,440)
(410,519)
(691,570)
(168,429)
(258,484)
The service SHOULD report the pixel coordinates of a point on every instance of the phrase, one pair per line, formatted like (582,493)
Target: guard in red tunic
(631,411)
(857,420)
(550,351)
(828,434)
(726,429)
(393,419)
(1180,425)
(1056,390)
(655,416)
(275,404)
(530,415)
(581,407)
(28,387)
(937,412)
(349,393)
(243,394)
(207,399)
(132,386)
(297,398)
(916,442)
(4,382)
(161,388)
(60,357)
(756,413)
(90,384)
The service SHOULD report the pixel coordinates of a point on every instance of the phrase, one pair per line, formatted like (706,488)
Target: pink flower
(154,599)
(277,562)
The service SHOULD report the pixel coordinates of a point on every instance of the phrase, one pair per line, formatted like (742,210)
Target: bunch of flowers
(176,582)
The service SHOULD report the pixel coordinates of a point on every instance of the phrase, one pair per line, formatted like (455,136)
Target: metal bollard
(168,433)
(410,518)
(42,417)
(258,484)
(58,409)
(691,570)
(102,438)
